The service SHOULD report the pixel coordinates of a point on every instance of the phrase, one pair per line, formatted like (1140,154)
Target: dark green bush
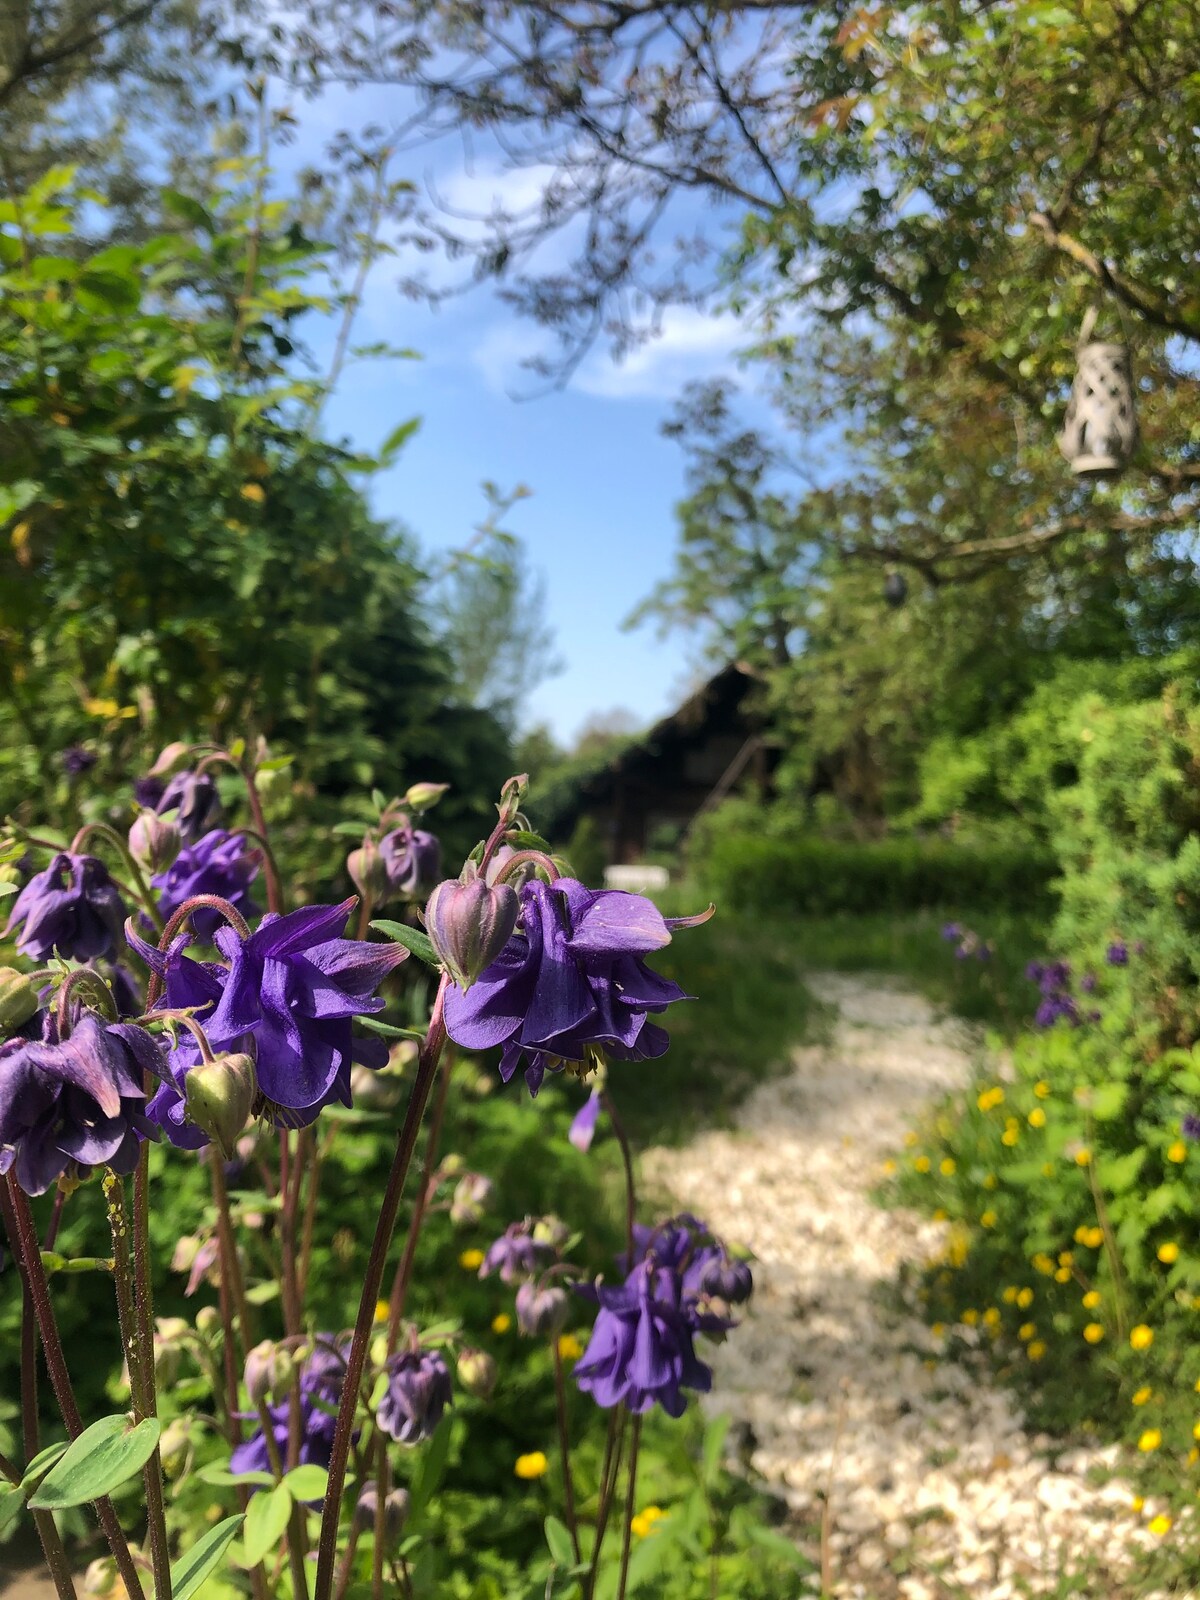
(802,874)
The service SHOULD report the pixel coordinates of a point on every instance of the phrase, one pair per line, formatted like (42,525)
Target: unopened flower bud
(175,1447)
(424,795)
(262,1371)
(169,1333)
(18,999)
(542,1313)
(171,759)
(395,1512)
(472,1194)
(477,1373)
(154,841)
(725,1278)
(368,871)
(100,1580)
(208,1322)
(551,1231)
(219,1095)
(470,924)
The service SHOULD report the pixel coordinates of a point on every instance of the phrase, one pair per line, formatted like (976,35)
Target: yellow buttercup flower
(1009,1296)
(1063,1275)
(1065,1258)
(254,492)
(1150,1440)
(1037,1118)
(1091,1300)
(1143,1395)
(1042,1090)
(1043,1264)
(970,1317)
(533,1465)
(1081,1233)
(922,1163)
(938,1329)
(1024,1298)
(988,1219)
(381,1310)
(889,1166)
(910,1139)
(1168,1253)
(1036,1350)
(948,1166)
(471,1260)
(1093,1333)
(1177,1152)
(502,1322)
(991,1317)
(1196,1431)
(645,1521)
(1159,1525)
(1026,1331)
(990,1097)
(990,1181)
(1141,1337)
(1193,1456)
(1083,1158)
(1137,1503)
(1010,1137)
(569,1347)
(941,1215)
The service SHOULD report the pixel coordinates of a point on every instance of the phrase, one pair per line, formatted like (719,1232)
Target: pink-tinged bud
(542,1313)
(208,1322)
(395,1513)
(171,759)
(422,796)
(154,841)
(368,871)
(472,1193)
(270,1373)
(219,1096)
(477,1373)
(469,924)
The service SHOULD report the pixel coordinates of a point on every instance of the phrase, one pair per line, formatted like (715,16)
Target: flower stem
(629,1506)
(160,1554)
(609,1473)
(16,1207)
(564,1443)
(618,1127)
(82,978)
(112,837)
(427,1063)
(231,1267)
(404,1271)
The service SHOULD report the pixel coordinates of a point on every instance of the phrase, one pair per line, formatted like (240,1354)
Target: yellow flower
(1036,1350)
(990,1097)
(941,1214)
(1026,1331)
(569,1347)
(1150,1440)
(910,1138)
(1009,1296)
(970,1317)
(501,1323)
(988,1219)
(1159,1525)
(1141,1337)
(1193,1456)
(1065,1258)
(1083,1158)
(948,1166)
(992,1317)
(1198,1385)
(645,1520)
(1047,1169)
(1093,1333)
(922,1163)
(381,1310)
(254,492)
(989,1181)
(1142,1395)
(938,1329)
(1024,1298)
(1081,1233)
(1137,1503)
(1063,1275)
(1010,1136)
(532,1465)
(471,1260)
(1196,1431)
(1043,1264)
(889,1166)
(1168,1253)
(1037,1118)
(1177,1152)
(1091,1300)
(1095,1237)
(1042,1090)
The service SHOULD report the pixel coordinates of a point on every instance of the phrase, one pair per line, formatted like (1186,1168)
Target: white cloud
(690,344)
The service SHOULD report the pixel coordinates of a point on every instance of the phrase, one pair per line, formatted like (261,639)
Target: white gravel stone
(927,1471)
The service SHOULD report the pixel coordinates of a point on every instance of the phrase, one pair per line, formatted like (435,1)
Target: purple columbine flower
(77,1105)
(73,906)
(641,1348)
(952,931)
(726,1277)
(1117,954)
(294,987)
(418,1392)
(413,859)
(1088,983)
(583,1126)
(220,863)
(320,1387)
(194,796)
(571,977)
(77,759)
(516,1254)
(1190,1126)
(1055,1008)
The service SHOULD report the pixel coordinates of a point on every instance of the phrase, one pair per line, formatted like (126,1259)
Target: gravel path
(935,1488)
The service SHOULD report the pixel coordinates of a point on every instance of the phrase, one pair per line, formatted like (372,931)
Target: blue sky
(599,523)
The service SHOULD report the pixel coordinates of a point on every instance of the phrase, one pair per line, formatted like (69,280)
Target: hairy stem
(564,1444)
(630,1503)
(404,1271)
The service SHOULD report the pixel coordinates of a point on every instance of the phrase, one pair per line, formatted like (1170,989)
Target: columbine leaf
(558,1541)
(412,939)
(102,1458)
(307,1482)
(266,1519)
(12,1503)
(41,1464)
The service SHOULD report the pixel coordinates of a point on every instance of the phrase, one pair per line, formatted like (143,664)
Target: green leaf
(396,440)
(102,1458)
(558,1541)
(221,1478)
(41,1464)
(190,210)
(385,1030)
(12,1503)
(783,1548)
(714,1439)
(411,938)
(190,1571)
(430,1473)
(9,888)
(308,1482)
(107,291)
(1108,1101)
(266,1520)
(262,1293)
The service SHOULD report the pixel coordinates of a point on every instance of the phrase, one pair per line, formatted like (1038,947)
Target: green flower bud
(422,796)
(477,1373)
(208,1322)
(154,841)
(220,1096)
(175,1448)
(270,1373)
(18,999)
(367,867)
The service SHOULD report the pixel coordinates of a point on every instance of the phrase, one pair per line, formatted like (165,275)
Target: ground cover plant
(198,1098)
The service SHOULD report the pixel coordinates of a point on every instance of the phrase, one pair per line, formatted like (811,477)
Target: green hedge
(749,872)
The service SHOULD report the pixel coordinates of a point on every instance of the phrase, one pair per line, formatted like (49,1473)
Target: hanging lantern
(1100,428)
(895,589)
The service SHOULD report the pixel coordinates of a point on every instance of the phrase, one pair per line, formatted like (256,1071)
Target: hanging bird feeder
(895,588)
(1100,428)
